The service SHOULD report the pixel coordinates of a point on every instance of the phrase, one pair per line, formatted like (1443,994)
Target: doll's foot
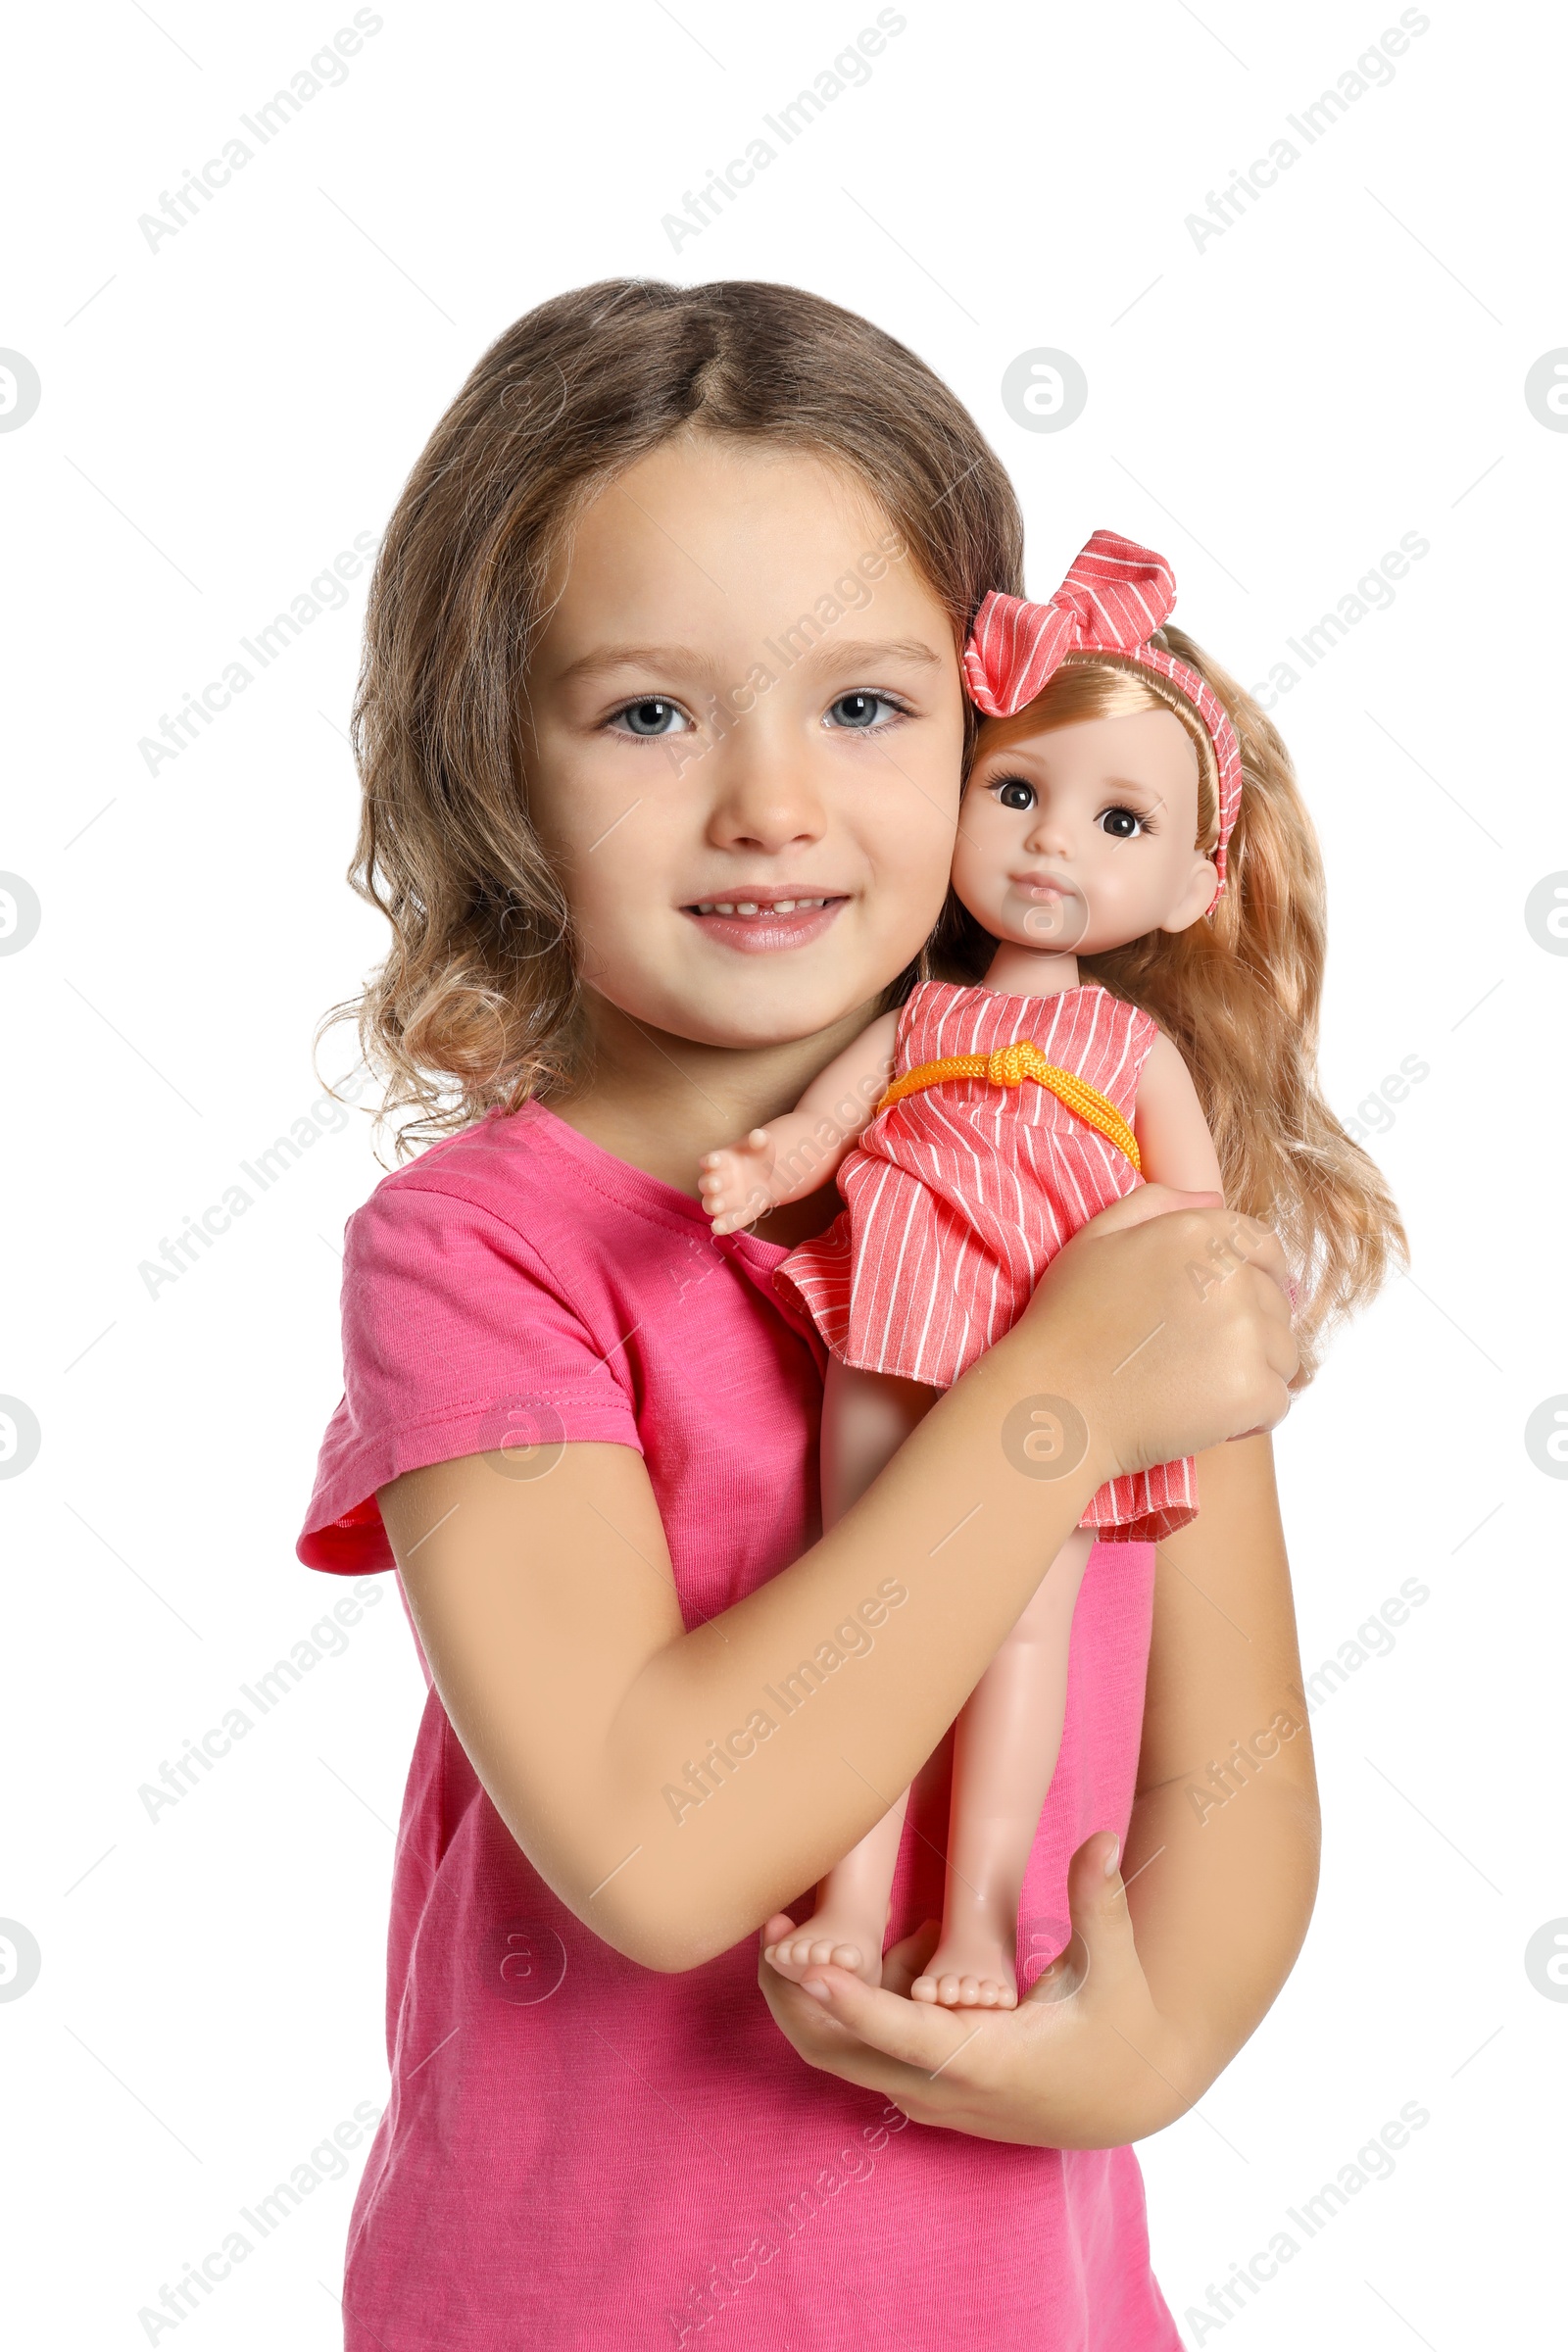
(823,1939)
(971,1971)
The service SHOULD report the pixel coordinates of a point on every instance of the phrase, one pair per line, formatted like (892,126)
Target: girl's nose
(764,797)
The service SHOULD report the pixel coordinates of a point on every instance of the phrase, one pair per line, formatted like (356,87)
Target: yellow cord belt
(1010,1066)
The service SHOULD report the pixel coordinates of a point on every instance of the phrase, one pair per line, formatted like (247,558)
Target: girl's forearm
(964,1520)
(1223,1851)
(1220,1887)
(809,1705)
(675,1787)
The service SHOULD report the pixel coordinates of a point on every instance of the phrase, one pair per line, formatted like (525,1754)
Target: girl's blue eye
(859,710)
(652,716)
(1123,824)
(1015,793)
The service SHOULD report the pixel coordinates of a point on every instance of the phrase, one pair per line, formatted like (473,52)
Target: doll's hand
(736,1184)
(1084,2061)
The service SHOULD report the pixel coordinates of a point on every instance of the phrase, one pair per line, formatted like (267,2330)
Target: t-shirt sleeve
(456,1341)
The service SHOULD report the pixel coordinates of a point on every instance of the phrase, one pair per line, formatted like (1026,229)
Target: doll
(976,1129)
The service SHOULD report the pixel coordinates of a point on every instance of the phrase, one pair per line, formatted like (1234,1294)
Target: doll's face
(1081,840)
(744,751)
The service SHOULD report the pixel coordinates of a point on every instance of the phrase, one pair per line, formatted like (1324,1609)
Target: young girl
(669,616)
(1106,788)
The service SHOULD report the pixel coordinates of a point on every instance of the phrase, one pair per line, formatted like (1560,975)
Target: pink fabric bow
(1115,597)
(1116,593)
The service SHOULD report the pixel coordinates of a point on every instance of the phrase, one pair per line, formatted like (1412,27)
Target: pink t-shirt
(579,2153)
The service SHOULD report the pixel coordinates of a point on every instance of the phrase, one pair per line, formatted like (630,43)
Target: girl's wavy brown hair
(1239,994)
(477,1003)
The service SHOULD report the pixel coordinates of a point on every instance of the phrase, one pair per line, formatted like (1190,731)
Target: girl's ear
(1197,897)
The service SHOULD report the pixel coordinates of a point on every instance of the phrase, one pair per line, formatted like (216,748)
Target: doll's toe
(793,1955)
(975,1992)
(794,1952)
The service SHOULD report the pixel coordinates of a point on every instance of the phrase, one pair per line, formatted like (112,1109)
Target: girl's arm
(1173,1138)
(1226,1783)
(650,1773)
(804,1150)
(1178,1953)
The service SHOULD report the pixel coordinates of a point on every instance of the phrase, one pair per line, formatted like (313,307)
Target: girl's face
(745,729)
(1082,838)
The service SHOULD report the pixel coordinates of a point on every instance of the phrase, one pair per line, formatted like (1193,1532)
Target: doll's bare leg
(866,1418)
(1004,1754)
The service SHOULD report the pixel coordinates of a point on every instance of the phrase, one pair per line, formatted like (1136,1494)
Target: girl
(1107,787)
(669,615)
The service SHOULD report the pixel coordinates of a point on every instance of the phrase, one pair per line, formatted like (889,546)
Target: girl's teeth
(749,907)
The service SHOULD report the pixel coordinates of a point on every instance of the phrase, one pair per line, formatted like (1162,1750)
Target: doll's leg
(1004,1754)
(866,1418)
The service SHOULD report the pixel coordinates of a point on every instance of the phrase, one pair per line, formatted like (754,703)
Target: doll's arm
(801,1151)
(1173,1138)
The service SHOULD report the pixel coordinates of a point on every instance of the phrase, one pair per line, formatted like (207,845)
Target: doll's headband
(1115,597)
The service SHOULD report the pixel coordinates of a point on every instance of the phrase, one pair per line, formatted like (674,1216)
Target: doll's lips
(760,922)
(1056,916)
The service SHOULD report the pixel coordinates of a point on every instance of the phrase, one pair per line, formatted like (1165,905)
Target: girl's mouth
(760,922)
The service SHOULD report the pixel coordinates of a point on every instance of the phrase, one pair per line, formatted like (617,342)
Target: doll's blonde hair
(1239,994)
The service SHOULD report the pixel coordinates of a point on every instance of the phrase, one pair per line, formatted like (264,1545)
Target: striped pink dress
(957,1199)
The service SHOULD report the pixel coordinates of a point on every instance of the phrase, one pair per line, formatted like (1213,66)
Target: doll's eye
(653,715)
(858,711)
(1014,794)
(1123,824)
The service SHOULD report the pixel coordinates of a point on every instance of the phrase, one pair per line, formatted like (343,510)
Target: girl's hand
(1084,2061)
(1181,1339)
(736,1184)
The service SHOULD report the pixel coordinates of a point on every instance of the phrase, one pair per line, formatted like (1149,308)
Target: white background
(219,416)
